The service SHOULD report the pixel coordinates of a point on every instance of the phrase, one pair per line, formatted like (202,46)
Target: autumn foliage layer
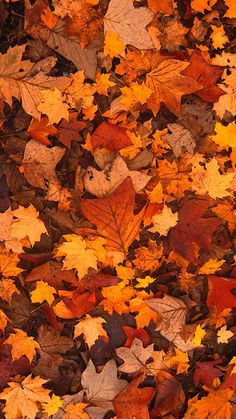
(117,211)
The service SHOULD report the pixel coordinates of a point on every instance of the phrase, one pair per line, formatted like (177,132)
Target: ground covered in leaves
(117,216)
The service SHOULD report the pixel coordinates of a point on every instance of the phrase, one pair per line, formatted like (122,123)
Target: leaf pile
(117,211)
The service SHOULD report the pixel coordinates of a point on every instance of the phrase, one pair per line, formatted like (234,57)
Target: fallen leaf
(91,328)
(105,182)
(43,292)
(110,136)
(120,227)
(68,131)
(223,335)
(134,357)
(22,345)
(128,22)
(179,138)
(169,84)
(164,221)
(40,130)
(27,223)
(21,397)
(221,293)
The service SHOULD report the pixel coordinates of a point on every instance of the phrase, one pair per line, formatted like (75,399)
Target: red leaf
(110,136)
(207,75)
(132,333)
(69,130)
(133,401)
(169,397)
(80,303)
(221,292)
(192,228)
(206,372)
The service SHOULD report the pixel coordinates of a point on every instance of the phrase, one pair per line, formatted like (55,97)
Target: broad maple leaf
(192,229)
(169,397)
(21,398)
(206,372)
(114,217)
(221,292)
(68,131)
(133,401)
(206,75)
(40,130)
(169,85)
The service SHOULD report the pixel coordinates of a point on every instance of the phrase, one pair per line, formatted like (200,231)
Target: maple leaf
(40,130)
(6,220)
(105,182)
(119,226)
(211,266)
(172,319)
(169,85)
(223,335)
(123,18)
(52,407)
(21,397)
(207,75)
(192,228)
(8,263)
(76,410)
(179,138)
(218,37)
(221,292)
(134,357)
(27,224)
(216,403)
(163,221)
(206,372)
(103,387)
(225,136)
(180,361)
(40,162)
(103,83)
(198,335)
(202,5)
(3,320)
(113,45)
(68,131)
(71,248)
(210,181)
(22,345)
(91,328)
(134,401)
(43,292)
(53,106)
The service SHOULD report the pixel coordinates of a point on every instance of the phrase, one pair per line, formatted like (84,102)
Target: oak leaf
(114,217)
(169,85)
(134,357)
(129,22)
(105,182)
(21,398)
(22,344)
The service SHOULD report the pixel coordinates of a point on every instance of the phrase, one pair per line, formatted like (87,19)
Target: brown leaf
(69,131)
(114,217)
(52,273)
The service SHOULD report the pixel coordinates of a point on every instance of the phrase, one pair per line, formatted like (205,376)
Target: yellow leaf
(117,298)
(22,344)
(202,5)
(223,335)
(219,39)
(77,254)
(27,224)
(179,361)
(156,195)
(43,292)
(8,262)
(132,150)
(21,398)
(145,313)
(103,84)
(53,106)
(225,136)
(135,93)
(211,266)
(233,362)
(144,282)
(164,221)
(198,336)
(52,407)
(76,410)
(91,327)
(124,272)
(113,45)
